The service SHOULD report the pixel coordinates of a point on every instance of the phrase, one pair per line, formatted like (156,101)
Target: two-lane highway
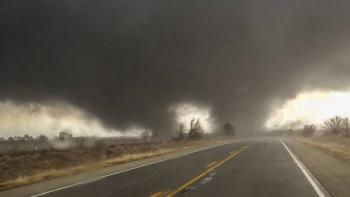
(255,167)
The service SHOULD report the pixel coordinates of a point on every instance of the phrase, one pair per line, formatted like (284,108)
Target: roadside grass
(338,147)
(133,157)
(45,175)
(28,167)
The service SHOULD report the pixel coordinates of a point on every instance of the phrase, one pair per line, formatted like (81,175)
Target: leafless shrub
(181,131)
(337,126)
(346,127)
(229,129)
(195,131)
(308,130)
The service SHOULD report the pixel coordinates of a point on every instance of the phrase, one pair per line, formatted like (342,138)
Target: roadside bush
(337,126)
(195,131)
(229,129)
(308,130)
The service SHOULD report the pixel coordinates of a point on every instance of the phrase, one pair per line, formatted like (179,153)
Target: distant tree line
(195,130)
(25,138)
(334,126)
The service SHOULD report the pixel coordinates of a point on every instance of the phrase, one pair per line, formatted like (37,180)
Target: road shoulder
(331,172)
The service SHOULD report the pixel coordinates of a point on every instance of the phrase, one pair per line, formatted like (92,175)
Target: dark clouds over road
(129,61)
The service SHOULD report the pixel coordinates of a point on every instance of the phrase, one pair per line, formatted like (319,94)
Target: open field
(26,167)
(336,146)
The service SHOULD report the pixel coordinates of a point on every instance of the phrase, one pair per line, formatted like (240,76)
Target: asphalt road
(256,167)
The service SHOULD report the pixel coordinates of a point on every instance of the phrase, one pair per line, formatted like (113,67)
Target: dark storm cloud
(128,61)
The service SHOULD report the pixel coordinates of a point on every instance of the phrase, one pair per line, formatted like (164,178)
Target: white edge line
(119,172)
(316,185)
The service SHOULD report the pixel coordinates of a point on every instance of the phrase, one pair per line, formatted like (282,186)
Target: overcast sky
(128,62)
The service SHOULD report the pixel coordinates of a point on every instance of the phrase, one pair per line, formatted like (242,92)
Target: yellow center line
(184,186)
(158,194)
(211,164)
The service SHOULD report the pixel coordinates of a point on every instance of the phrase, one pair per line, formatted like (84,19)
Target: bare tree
(308,130)
(346,128)
(181,131)
(195,131)
(229,129)
(337,126)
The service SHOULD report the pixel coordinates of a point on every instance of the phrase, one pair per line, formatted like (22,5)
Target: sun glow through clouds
(310,107)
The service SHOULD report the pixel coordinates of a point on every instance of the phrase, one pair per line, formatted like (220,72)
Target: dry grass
(336,146)
(45,175)
(134,157)
(23,168)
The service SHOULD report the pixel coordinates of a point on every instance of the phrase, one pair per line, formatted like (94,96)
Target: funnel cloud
(127,62)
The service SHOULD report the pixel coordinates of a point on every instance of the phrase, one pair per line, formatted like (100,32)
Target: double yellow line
(193,180)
